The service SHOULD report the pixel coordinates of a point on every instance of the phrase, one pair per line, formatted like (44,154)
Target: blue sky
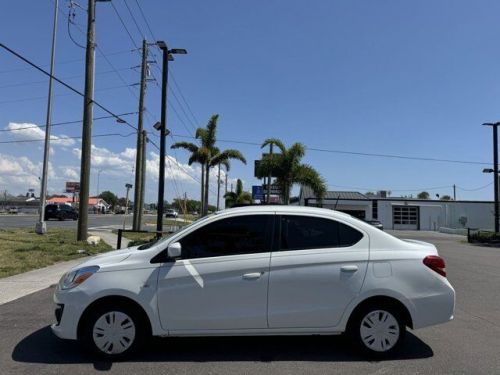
(385,77)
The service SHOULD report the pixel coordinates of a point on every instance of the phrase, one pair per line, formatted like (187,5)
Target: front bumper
(69,308)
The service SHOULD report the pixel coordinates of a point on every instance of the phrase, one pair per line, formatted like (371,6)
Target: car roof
(285,209)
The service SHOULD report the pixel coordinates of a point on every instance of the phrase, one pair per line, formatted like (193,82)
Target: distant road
(26,221)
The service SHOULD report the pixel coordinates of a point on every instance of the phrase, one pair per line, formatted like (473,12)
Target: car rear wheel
(377,330)
(113,331)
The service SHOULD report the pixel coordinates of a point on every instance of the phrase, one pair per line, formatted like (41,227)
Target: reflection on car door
(221,281)
(318,270)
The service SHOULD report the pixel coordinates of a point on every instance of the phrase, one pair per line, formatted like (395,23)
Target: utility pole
(225,188)
(495,171)
(87,124)
(185,205)
(143,171)
(128,186)
(218,189)
(138,194)
(41,227)
(454,192)
(98,178)
(202,200)
(269,176)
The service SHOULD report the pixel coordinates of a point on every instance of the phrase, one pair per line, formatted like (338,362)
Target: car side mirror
(174,250)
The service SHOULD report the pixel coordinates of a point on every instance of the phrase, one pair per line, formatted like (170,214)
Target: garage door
(405,217)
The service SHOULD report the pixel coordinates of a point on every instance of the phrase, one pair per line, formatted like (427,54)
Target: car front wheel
(113,331)
(377,330)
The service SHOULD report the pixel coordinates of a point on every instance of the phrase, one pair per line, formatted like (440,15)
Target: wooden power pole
(87,125)
(138,193)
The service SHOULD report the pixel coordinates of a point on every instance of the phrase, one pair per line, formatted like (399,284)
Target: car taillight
(435,263)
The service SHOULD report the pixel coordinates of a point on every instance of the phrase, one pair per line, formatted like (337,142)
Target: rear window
(306,232)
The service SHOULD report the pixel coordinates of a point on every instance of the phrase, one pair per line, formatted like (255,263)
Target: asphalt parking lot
(468,345)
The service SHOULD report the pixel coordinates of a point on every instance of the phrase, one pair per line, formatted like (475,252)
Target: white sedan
(266,270)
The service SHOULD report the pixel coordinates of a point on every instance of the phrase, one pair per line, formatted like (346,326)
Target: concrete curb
(17,286)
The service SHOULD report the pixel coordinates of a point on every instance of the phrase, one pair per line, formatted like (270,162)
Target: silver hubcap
(379,330)
(114,332)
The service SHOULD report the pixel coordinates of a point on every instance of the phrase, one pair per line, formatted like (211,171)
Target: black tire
(379,344)
(140,327)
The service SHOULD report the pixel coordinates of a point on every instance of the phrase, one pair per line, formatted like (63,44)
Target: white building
(407,213)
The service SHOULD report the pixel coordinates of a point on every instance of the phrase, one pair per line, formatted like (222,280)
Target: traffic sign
(275,189)
(257,192)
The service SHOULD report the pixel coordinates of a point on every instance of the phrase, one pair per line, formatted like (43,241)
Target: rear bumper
(435,308)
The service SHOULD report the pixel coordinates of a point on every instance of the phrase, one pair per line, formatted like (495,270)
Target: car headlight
(74,278)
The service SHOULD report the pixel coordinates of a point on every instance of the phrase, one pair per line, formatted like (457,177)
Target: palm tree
(224,157)
(211,155)
(238,197)
(197,156)
(288,170)
(208,155)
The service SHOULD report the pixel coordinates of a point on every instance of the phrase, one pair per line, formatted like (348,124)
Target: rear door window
(307,232)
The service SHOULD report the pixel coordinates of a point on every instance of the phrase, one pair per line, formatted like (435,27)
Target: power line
(105,56)
(182,109)
(66,78)
(393,156)
(170,72)
(58,95)
(65,122)
(184,99)
(71,13)
(64,84)
(64,62)
(145,19)
(134,20)
(375,189)
(476,189)
(60,138)
(124,25)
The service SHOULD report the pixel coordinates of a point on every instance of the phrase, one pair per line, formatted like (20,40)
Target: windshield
(167,236)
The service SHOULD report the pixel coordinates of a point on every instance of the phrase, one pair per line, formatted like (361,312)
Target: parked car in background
(13,210)
(267,270)
(377,224)
(171,213)
(60,211)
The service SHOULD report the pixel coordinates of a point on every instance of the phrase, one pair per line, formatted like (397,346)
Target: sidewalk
(18,286)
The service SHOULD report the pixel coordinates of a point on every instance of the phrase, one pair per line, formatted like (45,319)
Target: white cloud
(29,131)
(71,173)
(174,170)
(124,162)
(18,173)
(129,153)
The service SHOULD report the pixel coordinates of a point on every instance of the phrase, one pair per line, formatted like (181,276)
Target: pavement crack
(479,317)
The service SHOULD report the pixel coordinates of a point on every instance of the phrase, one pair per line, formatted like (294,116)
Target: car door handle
(349,268)
(252,275)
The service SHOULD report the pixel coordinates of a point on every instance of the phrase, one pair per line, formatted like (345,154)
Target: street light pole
(98,177)
(495,172)
(41,227)
(167,56)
